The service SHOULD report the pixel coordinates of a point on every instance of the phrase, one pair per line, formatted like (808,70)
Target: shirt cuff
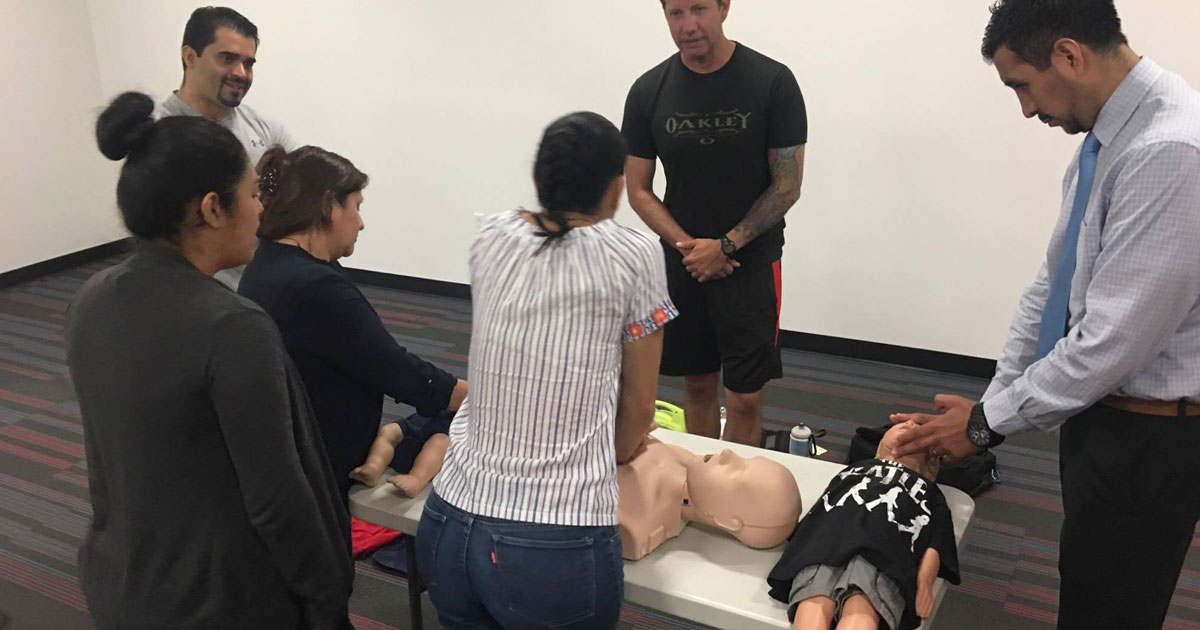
(994,387)
(441,386)
(1002,412)
(657,318)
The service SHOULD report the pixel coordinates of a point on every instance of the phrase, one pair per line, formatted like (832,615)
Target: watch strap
(728,247)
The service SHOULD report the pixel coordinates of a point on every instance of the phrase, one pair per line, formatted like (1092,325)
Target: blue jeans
(493,573)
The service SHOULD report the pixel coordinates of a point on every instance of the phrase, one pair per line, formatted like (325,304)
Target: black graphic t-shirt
(712,133)
(886,513)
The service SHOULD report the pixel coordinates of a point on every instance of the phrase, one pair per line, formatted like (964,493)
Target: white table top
(701,575)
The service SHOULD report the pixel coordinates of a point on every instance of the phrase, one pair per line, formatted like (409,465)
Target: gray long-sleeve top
(213,502)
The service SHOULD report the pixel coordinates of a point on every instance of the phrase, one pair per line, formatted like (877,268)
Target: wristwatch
(728,247)
(978,431)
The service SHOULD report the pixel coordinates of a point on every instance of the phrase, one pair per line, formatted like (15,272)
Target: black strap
(1183,405)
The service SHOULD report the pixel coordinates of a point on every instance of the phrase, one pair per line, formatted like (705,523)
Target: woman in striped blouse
(521,529)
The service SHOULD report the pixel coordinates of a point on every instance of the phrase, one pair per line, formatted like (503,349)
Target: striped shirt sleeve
(650,306)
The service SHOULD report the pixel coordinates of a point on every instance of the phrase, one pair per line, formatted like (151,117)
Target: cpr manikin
(755,500)
(867,553)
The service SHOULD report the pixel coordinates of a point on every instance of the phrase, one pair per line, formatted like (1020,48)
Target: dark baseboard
(410,283)
(62,263)
(809,342)
(887,353)
(836,346)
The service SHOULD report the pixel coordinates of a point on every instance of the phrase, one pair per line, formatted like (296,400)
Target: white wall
(55,191)
(927,203)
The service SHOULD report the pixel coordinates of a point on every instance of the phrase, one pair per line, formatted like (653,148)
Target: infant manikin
(414,447)
(755,500)
(867,553)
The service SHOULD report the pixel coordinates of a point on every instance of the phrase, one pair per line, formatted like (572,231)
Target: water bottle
(801,442)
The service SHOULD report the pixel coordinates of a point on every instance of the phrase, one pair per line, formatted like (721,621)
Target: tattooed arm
(787,173)
(703,256)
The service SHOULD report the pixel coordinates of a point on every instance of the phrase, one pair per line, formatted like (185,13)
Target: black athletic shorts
(729,325)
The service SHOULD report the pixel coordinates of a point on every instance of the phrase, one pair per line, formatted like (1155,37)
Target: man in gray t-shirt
(219,47)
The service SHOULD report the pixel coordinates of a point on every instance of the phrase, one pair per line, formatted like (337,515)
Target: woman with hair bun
(213,505)
(567,314)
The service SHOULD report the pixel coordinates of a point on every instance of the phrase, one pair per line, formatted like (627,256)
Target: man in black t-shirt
(729,125)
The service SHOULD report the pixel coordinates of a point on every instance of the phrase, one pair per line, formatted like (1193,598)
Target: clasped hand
(704,259)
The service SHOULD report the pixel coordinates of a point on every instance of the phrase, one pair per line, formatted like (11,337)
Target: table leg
(415,585)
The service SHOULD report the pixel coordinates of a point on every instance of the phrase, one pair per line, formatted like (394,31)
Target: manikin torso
(653,487)
(756,500)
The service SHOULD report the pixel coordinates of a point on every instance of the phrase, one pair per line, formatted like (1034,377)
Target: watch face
(979,435)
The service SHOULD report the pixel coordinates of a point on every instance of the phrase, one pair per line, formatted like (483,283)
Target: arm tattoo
(777,199)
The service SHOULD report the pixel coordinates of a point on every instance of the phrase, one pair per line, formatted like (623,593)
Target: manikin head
(756,500)
(926,463)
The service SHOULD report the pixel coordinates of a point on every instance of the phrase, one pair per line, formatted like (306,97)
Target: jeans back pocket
(548,583)
(429,536)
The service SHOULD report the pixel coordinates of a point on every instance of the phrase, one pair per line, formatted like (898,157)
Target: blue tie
(1054,316)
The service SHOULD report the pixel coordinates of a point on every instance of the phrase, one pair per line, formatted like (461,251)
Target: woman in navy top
(348,360)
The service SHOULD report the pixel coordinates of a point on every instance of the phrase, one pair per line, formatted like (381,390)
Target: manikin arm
(925,577)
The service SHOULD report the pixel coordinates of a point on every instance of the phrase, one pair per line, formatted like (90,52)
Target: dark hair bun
(125,124)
